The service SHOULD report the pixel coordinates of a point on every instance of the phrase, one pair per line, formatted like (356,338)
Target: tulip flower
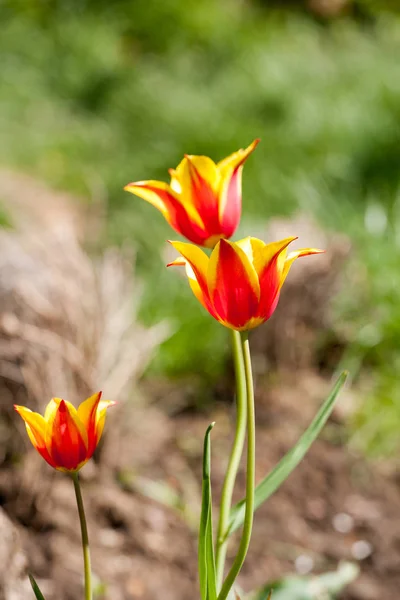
(203,201)
(66,437)
(240,283)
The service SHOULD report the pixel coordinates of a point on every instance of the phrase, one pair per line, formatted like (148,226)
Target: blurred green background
(96,94)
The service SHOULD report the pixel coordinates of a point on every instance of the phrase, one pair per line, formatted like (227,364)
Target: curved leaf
(288,463)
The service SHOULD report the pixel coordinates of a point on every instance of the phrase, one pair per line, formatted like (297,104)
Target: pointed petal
(51,409)
(236,159)
(33,419)
(66,438)
(101,417)
(204,167)
(178,262)
(197,259)
(87,409)
(263,254)
(179,213)
(293,256)
(196,263)
(196,289)
(155,192)
(230,194)
(232,284)
(36,429)
(199,180)
(87,412)
(183,219)
(254,249)
(270,263)
(175,183)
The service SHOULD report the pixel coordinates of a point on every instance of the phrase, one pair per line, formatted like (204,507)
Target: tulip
(66,437)
(240,283)
(203,202)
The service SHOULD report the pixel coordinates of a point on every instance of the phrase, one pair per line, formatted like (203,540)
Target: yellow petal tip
(178,262)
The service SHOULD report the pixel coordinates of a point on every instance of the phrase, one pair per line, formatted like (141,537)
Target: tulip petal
(254,250)
(230,195)
(233,285)
(199,180)
(36,429)
(87,412)
(66,438)
(196,263)
(196,289)
(178,262)
(200,166)
(270,264)
(101,417)
(228,164)
(263,254)
(181,215)
(155,192)
(51,409)
(293,256)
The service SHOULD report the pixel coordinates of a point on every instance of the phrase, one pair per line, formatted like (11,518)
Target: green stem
(85,538)
(250,475)
(234,460)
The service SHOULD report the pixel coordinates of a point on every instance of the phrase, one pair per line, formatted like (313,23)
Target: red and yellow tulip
(203,201)
(66,437)
(240,283)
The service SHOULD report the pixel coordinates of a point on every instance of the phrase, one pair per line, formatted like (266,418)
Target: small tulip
(240,283)
(203,202)
(66,437)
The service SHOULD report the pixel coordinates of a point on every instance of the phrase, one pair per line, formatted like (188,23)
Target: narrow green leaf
(35,587)
(207,575)
(288,463)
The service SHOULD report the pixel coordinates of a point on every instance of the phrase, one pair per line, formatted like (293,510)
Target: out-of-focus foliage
(96,94)
(327,585)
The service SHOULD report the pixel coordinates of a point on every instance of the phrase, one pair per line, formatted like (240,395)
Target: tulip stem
(85,537)
(250,474)
(234,459)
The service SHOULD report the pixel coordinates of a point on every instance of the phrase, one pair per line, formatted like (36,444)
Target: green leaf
(290,461)
(35,587)
(208,587)
(326,586)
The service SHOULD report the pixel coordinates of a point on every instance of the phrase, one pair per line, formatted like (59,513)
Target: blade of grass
(207,574)
(35,587)
(288,463)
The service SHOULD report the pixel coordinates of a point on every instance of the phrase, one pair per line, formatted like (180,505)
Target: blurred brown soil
(144,549)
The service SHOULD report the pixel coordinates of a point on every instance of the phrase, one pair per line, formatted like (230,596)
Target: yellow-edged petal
(178,210)
(87,410)
(152,191)
(196,264)
(51,409)
(230,189)
(196,258)
(260,254)
(233,284)
(201,165)
(196,289)
(51,429)
(36,427)
(35,422)
(293,256)
(101,416)
(242,258)
(67,439)
(228,164)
